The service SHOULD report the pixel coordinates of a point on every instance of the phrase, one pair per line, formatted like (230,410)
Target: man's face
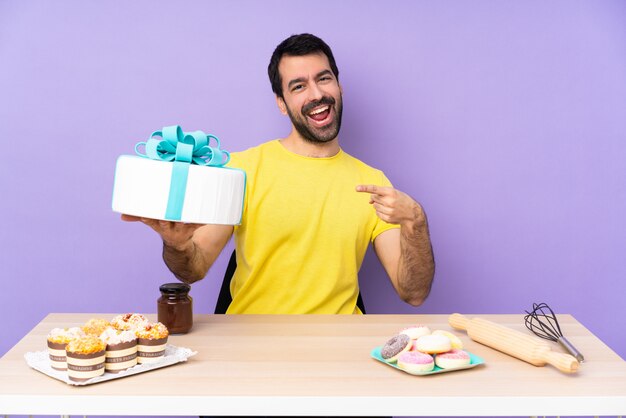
(312,96)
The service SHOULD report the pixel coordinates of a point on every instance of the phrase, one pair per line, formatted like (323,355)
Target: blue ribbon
(171,144)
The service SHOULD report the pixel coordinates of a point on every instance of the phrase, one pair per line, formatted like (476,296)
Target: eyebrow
(302,79)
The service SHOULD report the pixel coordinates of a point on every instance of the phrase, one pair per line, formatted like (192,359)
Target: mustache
(326,100)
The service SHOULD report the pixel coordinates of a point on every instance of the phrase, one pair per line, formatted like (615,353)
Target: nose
(315,92)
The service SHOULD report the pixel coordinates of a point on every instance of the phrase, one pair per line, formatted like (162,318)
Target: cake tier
(213,195)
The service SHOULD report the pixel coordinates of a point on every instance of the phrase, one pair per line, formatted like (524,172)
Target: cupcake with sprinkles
(85,358)
(58,339)
(151,341)
(121,349)
(129,321)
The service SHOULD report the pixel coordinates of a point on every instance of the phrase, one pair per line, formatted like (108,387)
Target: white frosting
(129,322)
(214,195)
(454,340)
(74,332)
(112,336)
(433,344)
(416,331)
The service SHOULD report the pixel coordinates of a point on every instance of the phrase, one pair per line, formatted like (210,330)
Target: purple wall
(506,120)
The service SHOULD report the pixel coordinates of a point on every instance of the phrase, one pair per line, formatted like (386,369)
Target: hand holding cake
(175,235)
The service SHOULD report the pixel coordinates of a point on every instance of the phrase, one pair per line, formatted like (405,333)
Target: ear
(281,105)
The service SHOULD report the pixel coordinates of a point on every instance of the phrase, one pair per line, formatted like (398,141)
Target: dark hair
(297,45)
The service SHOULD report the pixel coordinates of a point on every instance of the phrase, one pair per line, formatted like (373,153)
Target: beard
(313,134)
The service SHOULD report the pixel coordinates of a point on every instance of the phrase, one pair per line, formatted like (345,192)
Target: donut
(433,344)
(452,359)
(416,331)
(415,362)
(456,342)
(394,347)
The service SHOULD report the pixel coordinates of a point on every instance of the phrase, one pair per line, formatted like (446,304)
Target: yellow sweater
(304,232)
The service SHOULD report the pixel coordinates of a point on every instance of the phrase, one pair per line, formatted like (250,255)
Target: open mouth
(320,115)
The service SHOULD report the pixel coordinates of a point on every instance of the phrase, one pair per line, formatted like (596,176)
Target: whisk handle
(571,349)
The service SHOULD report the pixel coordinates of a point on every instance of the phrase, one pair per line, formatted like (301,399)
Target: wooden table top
(320,365)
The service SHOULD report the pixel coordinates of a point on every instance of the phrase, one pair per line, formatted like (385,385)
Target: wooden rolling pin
(513,343)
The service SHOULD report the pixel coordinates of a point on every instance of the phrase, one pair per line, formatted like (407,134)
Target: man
(307,223)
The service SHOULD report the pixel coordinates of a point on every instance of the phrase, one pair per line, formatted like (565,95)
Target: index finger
(373,189)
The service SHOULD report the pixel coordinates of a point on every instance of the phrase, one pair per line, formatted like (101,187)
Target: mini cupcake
(151,342)
(129,322)
(95,326)
(57,340)
(121,349)
(85,358)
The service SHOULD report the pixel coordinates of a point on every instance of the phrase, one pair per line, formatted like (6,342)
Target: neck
(296,144)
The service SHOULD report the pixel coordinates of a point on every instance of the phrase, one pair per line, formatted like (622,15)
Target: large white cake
(213,195)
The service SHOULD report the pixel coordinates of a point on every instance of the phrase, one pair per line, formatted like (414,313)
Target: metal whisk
(543,323)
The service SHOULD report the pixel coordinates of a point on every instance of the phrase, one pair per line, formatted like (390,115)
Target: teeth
(320,110)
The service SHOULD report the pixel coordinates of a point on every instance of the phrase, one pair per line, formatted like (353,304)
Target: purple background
(507,121)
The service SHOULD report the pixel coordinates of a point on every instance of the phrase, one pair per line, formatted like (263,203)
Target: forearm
(409,263)
(187,263)
(416,266)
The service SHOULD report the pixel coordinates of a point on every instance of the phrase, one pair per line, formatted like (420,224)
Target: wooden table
(319,365)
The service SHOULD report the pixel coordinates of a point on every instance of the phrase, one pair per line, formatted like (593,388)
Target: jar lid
(174,288)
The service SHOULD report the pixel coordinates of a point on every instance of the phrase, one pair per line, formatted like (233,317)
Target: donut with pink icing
(415,362)
(394,347)
(452,359)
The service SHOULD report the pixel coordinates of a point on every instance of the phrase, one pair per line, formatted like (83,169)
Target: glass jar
(175,307)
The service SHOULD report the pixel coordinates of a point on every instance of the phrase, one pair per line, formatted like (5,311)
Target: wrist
(416,220)
(179,247)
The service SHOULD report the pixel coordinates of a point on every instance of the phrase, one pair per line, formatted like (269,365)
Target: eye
(297,87)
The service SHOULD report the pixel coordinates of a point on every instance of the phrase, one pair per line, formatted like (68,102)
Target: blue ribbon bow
(171,144)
